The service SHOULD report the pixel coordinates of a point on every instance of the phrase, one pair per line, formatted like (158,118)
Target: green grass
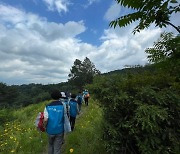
(87,135)
(20,136)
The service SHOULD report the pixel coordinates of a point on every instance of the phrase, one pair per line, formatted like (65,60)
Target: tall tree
(82,73)
(148,12)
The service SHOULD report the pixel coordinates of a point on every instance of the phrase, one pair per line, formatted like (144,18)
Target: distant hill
(132,69)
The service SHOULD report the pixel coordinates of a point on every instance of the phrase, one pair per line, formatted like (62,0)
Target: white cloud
(113,12)
(120,47)
(11,14)
(90,2)
(58,5)
(35,50)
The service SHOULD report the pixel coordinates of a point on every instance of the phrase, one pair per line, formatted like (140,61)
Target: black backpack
(79,100)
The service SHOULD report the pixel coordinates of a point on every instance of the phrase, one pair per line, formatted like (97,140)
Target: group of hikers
(60,116)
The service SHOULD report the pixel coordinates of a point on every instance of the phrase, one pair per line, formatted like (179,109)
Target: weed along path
(87,135)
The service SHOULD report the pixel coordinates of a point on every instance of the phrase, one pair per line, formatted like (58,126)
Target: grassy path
(20,136)
(86,137)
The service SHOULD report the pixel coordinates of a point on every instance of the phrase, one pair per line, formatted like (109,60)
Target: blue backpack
(73,108)
(79,100)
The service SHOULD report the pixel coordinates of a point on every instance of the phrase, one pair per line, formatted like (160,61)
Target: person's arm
(77,108)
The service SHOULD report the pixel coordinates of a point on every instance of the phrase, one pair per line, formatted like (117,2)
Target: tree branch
(177,28)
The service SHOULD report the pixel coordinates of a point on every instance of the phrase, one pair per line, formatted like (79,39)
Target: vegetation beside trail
(141,110)
(18,134)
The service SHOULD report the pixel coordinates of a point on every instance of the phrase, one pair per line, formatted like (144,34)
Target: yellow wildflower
(11,137)
(71,150)
(12,151)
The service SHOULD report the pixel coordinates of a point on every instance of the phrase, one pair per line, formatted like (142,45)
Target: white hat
(63,94)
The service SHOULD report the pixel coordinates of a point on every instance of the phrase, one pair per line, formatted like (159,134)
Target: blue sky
(77,10)
(40,39)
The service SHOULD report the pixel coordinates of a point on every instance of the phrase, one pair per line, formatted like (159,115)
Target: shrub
(141,112)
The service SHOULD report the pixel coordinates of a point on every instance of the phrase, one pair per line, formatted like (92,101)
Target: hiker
(64,98)
(73,110)
(68,94)
(54,123)
(86,97)
(79,99)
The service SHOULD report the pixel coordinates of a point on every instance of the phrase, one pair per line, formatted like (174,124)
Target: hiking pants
(86,100)
(55,143)
(79,106)
(72,122)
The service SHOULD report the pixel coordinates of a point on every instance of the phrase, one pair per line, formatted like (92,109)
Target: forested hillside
(22,95)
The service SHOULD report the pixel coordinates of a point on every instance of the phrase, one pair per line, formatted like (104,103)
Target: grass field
(19,135)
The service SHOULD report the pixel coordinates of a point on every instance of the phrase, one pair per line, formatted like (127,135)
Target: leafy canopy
(147,12)
(167,47)
(82,73)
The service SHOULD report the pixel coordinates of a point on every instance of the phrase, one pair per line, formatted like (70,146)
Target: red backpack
(39,122)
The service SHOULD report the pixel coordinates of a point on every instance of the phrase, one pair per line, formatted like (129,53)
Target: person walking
(86,97)
(64,99)
(73,110)
(54,123)
(79,99)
